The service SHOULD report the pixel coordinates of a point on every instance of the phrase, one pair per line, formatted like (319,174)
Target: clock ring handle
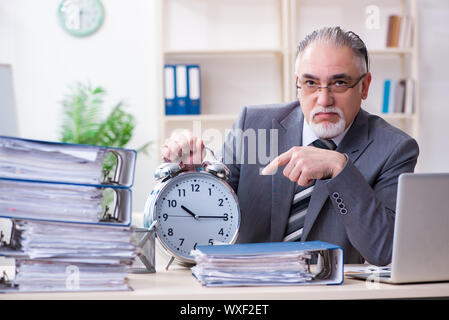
(213,154)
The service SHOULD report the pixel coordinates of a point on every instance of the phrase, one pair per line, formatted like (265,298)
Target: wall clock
(81,17)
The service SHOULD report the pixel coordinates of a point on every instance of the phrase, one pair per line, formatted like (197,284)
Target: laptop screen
(421,237)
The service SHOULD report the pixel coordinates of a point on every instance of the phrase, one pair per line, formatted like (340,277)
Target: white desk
(178,284)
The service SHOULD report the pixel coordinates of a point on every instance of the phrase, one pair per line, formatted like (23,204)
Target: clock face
(81,17)
(194,209)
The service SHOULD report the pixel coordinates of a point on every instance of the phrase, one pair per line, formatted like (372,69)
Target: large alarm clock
(192,207)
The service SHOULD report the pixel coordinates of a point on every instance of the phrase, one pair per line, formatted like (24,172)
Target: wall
(120,56)
(434,75)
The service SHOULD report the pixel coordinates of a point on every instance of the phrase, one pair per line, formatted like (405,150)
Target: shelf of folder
(224,54)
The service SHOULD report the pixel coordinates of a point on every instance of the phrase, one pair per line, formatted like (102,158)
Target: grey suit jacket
(355,210)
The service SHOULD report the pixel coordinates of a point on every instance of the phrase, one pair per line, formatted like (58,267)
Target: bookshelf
(246,50)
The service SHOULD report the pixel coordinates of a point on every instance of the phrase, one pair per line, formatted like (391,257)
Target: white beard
(327,130)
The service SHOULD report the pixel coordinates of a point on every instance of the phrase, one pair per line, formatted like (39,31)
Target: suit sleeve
(367,210)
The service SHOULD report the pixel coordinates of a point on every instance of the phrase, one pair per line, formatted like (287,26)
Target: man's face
(328,113)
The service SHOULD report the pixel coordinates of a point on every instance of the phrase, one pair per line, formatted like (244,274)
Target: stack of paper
(51,201)
(275,263)
(69,256)
(40,161)
(71,212)
(63,162)
(63,202)
(38,276)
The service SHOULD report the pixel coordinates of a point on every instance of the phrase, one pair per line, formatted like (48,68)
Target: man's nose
(325,97)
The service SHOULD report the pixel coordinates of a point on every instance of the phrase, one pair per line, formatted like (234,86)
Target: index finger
(280,160)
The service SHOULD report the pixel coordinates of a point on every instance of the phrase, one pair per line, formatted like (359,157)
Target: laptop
(421,232)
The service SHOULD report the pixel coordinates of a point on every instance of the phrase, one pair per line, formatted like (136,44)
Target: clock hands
(212,217)
(189,212)
(202,217)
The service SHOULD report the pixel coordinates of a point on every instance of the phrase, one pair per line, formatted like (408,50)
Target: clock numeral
(221,232)
(195,187)
(181,192)
(211,242)
(172,203)
(170,232)
(181,240)
(165,216)
(225,217)
(194,246)
(210,191)
(220,202)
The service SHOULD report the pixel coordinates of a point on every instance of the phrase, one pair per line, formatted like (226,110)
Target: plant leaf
(81,119)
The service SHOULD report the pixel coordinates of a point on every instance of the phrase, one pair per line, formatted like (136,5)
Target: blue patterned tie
(301,200)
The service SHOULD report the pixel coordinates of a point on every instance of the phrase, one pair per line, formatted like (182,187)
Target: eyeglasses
(337,86)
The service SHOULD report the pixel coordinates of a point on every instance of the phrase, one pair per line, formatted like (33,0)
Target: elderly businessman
(335,178)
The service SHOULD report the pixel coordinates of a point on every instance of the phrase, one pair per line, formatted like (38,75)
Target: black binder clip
(6,283)
(12,244)
(112,167)
(5,246)
(325,263)
(111,211)
(3,242)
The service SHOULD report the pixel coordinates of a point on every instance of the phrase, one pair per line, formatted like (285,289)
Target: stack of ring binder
(268,264)
(70,207)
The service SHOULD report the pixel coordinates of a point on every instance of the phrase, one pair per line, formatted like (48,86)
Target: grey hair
(339,38)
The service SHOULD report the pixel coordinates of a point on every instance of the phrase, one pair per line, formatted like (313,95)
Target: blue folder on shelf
(386,97)
(169,89)
(271,263)
(181,91)
(194,89)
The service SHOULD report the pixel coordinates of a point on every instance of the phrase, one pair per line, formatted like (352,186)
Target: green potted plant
(82,124)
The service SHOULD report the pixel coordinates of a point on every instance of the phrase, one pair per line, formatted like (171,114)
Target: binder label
(169,83)
(194,80)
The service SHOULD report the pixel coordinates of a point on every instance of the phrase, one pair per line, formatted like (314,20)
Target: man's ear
(296,84)
(366,81)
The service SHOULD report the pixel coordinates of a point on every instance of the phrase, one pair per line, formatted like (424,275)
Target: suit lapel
(289,135)
(353,144)
(357,139)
